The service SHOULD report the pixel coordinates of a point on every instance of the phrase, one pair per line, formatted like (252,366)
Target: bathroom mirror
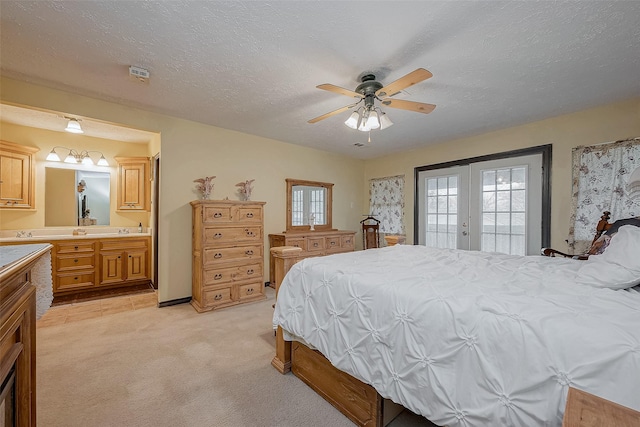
(309,205)
(76,198)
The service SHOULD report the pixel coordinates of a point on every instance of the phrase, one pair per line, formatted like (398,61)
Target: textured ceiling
(252,66)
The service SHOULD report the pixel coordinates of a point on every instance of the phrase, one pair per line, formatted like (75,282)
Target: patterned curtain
(600,178)
(386,203)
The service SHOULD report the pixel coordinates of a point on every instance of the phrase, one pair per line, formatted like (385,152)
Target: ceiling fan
(368,117)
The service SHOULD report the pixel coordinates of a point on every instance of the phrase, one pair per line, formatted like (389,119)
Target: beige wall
(191,150)
(45,140)
(607,123)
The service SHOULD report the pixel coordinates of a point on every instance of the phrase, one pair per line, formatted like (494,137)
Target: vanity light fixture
(73,126)
(75,156)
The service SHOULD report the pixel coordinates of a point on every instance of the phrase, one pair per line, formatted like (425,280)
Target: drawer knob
(250,271)
(217,215)
(250,215)
(249,232)
(75,260)
(249,291)
(248,252)
(75,278)
(218,297)
(217,276)
(218,255)
(333,243)
(75,248)
(217,236)
(315,245)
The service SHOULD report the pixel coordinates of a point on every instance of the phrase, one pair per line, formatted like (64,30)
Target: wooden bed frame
(362,404)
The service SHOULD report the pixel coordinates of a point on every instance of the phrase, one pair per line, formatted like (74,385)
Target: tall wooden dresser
(228,250)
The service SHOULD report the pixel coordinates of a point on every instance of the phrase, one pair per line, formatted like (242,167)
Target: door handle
(465,233)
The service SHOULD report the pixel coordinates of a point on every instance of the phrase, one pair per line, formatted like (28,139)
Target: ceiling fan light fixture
(385,121)
(74,126)
(353,120)
(372,120)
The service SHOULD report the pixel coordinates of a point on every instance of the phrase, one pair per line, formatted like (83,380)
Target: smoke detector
(139,74)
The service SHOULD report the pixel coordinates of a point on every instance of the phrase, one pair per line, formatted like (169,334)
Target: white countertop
(49,234)
(13,253)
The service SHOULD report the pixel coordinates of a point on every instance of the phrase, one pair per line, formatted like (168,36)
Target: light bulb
(372,121)
(352,121)
(385,121)
(53,156)
(102,161)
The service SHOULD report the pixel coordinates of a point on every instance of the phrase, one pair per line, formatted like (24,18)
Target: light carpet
(174,367)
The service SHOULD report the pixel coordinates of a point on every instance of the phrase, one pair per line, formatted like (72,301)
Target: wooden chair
(370,232)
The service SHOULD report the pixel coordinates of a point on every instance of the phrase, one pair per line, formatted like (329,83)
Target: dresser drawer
(250,290)
(298,243)
(221,256)
(232,274)
(75,262)
(232,235)
(249,214)
(217,296)
(315,244)
(347,243)
(216,214)
(75,247)
(332,244)
(84,279)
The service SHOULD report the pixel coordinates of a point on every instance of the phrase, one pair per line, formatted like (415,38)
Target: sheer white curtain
(386,203)
(600,176)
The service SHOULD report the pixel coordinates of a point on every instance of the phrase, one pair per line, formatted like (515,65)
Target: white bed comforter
(466,338)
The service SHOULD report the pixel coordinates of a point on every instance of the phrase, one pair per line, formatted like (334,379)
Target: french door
(492,206)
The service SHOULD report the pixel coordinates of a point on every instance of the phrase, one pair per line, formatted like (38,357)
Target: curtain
(600,177)
(386,203)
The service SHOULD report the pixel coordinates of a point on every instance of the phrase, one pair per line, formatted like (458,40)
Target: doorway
(496,203)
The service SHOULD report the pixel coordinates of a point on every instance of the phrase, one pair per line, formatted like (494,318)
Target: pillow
(619,266)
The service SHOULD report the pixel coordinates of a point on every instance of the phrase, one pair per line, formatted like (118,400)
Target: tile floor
(102,307)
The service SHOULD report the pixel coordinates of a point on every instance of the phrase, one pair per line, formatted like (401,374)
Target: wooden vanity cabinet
(17,176)
(123,261)
(88,264)
(228,248)
(134,185)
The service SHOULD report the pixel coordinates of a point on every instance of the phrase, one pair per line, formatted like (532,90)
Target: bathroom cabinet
(134,185)
(17,176)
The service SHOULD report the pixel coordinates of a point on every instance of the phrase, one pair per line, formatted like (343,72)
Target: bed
(463,338)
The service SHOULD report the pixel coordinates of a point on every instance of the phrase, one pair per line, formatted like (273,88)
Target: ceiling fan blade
(332,113)
(339,90)
(418,107)
(404,82)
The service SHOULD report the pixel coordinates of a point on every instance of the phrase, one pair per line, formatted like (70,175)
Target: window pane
(453,204)
(518,200)
(503,223)
(488,223)
(432,187)
(442,186)
(453,185)
(488,243)
(453,224)
(518,178)
(518,223)
(503,243)
(442,204)
(489,180)
(518,245)
(489,201)
(432,204)
(503,201)
(503,178)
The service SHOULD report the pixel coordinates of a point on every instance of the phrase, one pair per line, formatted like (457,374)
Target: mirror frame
(302,228)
